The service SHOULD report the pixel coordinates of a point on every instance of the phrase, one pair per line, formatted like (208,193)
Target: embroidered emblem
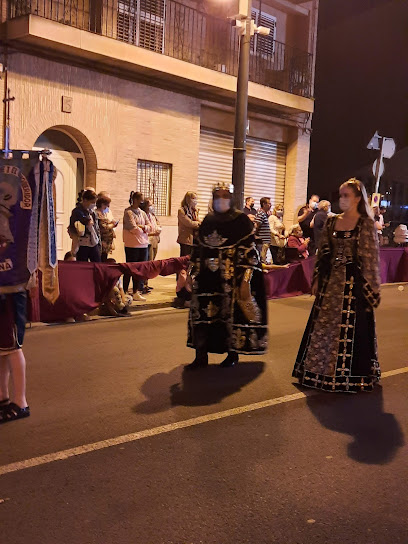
(212,310)
(214,239)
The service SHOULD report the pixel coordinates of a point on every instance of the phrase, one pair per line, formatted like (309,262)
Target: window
(263,46)
(154,181)
(141,22)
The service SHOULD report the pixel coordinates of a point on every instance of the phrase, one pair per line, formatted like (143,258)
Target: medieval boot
(200,361)
(230,360)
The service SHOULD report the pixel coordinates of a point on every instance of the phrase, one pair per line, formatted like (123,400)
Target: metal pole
(241,113)
(378,167)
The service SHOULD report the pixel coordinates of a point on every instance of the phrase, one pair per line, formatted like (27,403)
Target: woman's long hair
(185,204)
(134,195)
(358,189)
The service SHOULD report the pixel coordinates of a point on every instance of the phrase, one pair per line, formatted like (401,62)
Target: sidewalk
(162,295)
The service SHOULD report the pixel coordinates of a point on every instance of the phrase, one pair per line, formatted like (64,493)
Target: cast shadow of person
(376,435)
(203,387)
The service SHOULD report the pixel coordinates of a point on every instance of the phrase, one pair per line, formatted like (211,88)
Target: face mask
(344,204)
(313,205)
(151,209)
(106,210)
(92,207)
(221,205)
(279,213)
(194,203)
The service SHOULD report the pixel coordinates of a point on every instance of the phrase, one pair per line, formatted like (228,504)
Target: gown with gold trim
(338,351)
(223,251)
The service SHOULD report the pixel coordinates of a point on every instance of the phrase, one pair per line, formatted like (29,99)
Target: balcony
(175,30)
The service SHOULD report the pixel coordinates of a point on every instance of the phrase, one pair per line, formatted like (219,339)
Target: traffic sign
(381,172)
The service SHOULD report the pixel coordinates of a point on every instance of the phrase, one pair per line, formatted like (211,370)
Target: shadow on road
(202,387)
(376,435)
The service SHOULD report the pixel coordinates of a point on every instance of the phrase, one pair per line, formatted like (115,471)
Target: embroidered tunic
(218,321)
(339,348)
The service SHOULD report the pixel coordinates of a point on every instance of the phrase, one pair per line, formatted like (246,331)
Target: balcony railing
(179,31)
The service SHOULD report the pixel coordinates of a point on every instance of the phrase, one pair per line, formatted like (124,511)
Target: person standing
(249,208)
(188,223)
(318,221)
(106,226)
(228,304)
(305,217)
(338,351)
(278,238)
(136,230)
(263,229)
(154,235)
(84,225)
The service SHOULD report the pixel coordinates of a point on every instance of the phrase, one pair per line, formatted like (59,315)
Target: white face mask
(193,203)
(221,205)
(92,207)
(279,213)
(313,204)
(151,209)
(344,204)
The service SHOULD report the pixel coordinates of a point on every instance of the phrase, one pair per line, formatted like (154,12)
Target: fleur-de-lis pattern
(339,348)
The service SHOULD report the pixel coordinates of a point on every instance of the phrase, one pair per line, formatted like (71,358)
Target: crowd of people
(228,312)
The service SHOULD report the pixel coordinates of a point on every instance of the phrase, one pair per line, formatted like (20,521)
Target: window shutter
(266,44)
(151,24)
(126,26)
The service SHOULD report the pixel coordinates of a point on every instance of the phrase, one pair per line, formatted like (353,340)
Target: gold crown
(223,186)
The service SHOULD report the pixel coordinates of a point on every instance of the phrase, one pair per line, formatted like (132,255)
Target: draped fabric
(84,284)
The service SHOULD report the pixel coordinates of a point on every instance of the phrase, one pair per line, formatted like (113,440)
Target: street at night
(190,458)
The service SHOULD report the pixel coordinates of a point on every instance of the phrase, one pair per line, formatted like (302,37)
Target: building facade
(139,95)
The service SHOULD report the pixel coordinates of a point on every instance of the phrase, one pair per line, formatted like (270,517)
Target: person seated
(296,240)
(401,235)
(69,256)
(117,302)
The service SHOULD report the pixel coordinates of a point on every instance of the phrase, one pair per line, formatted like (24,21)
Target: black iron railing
(179,31)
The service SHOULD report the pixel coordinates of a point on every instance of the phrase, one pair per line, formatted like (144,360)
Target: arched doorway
(69,160)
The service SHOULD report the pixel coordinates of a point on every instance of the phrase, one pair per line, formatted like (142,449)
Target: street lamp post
(241,110)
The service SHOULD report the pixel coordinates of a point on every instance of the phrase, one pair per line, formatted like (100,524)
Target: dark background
(361,86)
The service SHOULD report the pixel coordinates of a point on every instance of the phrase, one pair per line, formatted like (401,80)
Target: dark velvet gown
(338,351)
(224,250)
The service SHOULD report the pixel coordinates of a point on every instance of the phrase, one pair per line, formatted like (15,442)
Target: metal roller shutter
(265,167)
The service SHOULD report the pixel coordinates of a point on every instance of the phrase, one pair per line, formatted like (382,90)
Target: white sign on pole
(374,169)
(388,148)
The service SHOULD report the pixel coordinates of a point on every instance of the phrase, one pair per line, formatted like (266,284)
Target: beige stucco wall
(123,121)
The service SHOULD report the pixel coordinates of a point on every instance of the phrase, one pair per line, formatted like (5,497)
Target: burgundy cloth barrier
(84,285)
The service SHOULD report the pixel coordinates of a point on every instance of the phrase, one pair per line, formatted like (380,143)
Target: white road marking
(132,437)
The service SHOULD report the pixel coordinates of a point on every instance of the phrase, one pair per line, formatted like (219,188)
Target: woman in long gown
(228,304)
(338,351)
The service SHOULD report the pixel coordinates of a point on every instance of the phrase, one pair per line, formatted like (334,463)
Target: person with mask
(318,221)
(228,304)
(188,223)
(278,238)
(249,208)
(83,225)
(338,351)
(305,217)
(106,226)
(136,230)
(297,241)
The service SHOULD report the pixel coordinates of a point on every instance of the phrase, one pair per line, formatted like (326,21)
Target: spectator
(305,216)
(83,224)
(249,208)
(154,235)
(278,238)
(106,226)
(188,223)
(108,211)
(318,221)
(296,240)
(263,228)
(379,223)
(117,302)
(401,235)
(69,256)
(136,230)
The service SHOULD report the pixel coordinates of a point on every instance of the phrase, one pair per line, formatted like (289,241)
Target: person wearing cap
(228,303)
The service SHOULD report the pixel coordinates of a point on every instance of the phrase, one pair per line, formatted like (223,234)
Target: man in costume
(228,304)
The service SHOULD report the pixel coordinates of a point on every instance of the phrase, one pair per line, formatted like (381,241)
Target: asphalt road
(321,468)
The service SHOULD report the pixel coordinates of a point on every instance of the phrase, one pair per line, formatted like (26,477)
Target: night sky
(361,86)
